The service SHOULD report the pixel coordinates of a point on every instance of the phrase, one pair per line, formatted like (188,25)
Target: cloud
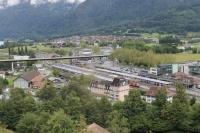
(7,3)
(13,2)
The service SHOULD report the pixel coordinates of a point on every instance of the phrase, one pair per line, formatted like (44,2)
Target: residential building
(151,94)
(187,80)
(32,79)
(115,90)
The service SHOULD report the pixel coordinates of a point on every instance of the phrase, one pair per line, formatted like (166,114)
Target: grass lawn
(4,54)
(10,80)
(3,130)
(152,44)
(4,50)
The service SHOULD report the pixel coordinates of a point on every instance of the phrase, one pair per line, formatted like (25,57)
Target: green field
(152,44)
(47,49)
(4,54)
(183,57)
(156,35)
(34,48)
(3,130)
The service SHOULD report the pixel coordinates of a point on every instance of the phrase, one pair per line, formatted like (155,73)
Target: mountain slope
(182,19)
(30,21)
(98,16)
(102,15)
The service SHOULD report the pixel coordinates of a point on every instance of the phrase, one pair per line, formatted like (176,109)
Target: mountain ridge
(98,17)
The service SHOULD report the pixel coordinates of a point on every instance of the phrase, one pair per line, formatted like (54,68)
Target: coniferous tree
(179,109)
(26,50)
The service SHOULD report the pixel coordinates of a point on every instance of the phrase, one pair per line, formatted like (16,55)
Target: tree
(31,123)
(159,113)
(104,108)
(61,52)
(161,99)
(56,72)
(132,107)
(52,105)
(140,123)
(91,111)
(173,40)
(26,50)
(192,101)
(19,51)
(47,93)
(3,83)
(195,116)
(73,106)
(59,122)
(18,104)
(9,51)
(82,125)
(96,49)
(22,50)
(117,123)
(133,104)
(179,110)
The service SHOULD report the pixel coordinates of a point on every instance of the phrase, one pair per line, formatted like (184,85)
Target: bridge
(55,58)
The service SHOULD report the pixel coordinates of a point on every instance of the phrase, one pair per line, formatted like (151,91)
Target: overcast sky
(35,2)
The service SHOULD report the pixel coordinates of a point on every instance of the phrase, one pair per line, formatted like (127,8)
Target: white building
(151,94)
(2,74)
(153,71)
(184,68)
(17,57)
(86,52)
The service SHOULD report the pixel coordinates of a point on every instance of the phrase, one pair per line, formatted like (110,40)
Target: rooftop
(29,76)
(153,91)
(94,128)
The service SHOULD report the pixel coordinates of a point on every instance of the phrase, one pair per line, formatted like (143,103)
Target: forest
(72,108)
